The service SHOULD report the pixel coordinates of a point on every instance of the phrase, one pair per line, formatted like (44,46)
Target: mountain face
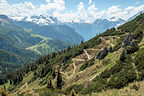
(19,46)
(57,32)
(41,20)
(89,30)
(86,30)
(111,63)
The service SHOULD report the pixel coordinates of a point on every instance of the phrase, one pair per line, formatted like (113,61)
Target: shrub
(84,66)
(87,64)
(117,46)
(95,87)
(132,49)
(138,35)
(77,88)
(134,86)
(47,92)
(139,61)
(122,79)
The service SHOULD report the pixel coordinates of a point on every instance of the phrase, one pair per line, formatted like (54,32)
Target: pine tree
(53,74)
(69,47)
(49,85)
(82,42)
(10,82)
(59,80)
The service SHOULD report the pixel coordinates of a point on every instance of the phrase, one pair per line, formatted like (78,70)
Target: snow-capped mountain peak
(41,20)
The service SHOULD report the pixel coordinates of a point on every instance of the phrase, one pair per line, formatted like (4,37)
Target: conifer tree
(59,80)
(82,42)
(49,85)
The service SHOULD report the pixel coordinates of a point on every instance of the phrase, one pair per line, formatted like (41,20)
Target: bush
(47,92)
(122,79)
(84,66)
(134,86)
(132,49)
(117,46)
(87,64)
(138,35)
(95,87)
(77,88)
(106,62)
(139,61)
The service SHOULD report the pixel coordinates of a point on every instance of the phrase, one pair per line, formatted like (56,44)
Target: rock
(127,41)
(134,43)
(102,54)
(110,50)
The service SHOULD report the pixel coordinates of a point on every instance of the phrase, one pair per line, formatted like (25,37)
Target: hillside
(89,30)
(56,32)
(19,46)
(110,63)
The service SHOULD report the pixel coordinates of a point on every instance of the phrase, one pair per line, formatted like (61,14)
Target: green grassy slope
(15,43)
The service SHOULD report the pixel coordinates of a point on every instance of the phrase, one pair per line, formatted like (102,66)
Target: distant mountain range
(41,20)
(86,30)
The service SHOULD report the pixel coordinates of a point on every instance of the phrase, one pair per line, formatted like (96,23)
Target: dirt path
(95,76)
(74,67)
(74,60)
(89,57)
(92,49)
(107,41)
(135,69)
(65,75)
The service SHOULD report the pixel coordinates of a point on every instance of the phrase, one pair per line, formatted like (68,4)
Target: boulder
(127,41)
(110,49)
(133,43)
(102,54)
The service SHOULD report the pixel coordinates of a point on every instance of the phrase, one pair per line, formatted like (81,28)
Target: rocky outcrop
(102,54)
(110,49)
(128,40)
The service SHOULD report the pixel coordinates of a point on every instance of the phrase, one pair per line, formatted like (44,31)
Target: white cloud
(21,9)
(2,1)
(48,1)
(90,2)
(91,13)
(81,6)
(92,10)
(125,13)
(114,9)
(56,8)
(137,2)
(28,9)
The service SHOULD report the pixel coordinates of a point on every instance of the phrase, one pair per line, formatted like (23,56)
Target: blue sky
(101,4)
(72,10)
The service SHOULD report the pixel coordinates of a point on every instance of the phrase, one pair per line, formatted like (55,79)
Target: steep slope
(111,60)
(89,30)
(57,32)
(16,45)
